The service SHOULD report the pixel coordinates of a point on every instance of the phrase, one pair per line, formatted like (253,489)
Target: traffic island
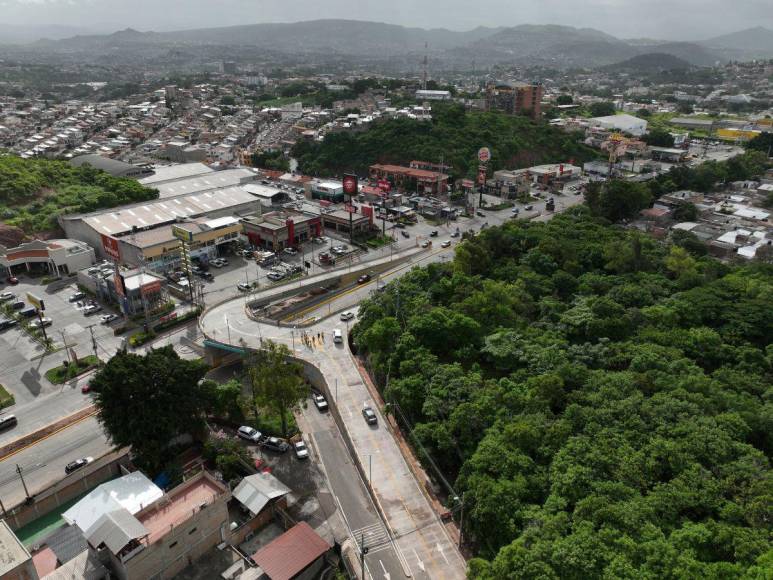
(70,370)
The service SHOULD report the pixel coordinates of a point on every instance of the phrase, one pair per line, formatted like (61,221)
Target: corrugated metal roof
(291,552)
(255,491)
(115,529)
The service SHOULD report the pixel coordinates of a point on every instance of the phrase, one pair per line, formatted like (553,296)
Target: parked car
(320,401)
(275,444)
(290,251)
(250,434)
(28,312)
(275,275)
(455,234)
(8,421)
(399,225)
(480,214)
(363,279)
(433,234)
(319,240)
(77,296)
(41,322)
(347,315)
(217,263)
(338,337)
(446,244)
(529,207)
(405,234)
(370,416)
(90,309)
(86,389)
(341,249)
(108,318)
(301,451)
(6,296)
(77,464)
(425,244)
(515,211)
(6,323)
(244,287)
(13,280)
(18,305)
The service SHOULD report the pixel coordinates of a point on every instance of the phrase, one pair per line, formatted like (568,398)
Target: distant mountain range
(550,45)
(651,62)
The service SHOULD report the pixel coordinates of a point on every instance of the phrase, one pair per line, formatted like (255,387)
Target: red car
(13,280)
(85,389)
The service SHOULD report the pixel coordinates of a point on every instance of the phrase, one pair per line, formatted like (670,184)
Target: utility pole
(461,523)
(23,483)
(93,340)
(363,551)
(66,350)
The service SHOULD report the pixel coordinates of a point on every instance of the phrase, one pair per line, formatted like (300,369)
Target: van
(7,421)
(337,336)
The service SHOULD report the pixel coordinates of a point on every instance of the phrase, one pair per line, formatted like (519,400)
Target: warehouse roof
(164,173)
(291,553)
(112,166)
(121,220)
(204,182)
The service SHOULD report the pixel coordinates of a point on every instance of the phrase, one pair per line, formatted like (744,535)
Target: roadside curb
(12,448)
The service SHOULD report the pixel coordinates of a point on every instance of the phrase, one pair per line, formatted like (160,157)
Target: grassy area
(65,372)
(6,399)
(379,241)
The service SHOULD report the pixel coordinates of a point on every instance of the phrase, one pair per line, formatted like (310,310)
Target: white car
(41,322)
(290,251)
(108,318)
(249,434)
(91,309)
(5,296)
(347,316)
(301,451)
(446,244)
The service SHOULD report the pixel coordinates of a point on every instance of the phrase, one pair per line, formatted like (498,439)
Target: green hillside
(33,192)
(453,136)
(602,400)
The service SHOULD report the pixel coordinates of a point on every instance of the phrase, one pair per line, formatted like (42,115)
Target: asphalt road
(359,513)
(44,462)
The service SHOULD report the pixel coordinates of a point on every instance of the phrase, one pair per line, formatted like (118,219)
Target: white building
(422,95)
(623,123)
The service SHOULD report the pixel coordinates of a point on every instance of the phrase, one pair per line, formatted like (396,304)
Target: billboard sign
(350,184)
(384,185)
(481,175)
(120,287)
(484,154)
(111,247)
(36,301)
(150,288)
(182,234)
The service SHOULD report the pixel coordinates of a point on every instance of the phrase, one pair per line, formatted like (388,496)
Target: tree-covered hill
(453,135)
(33,192)
(603,400)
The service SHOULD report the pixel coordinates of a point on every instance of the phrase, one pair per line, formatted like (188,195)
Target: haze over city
(658,19)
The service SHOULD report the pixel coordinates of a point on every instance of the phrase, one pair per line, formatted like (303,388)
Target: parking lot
(23,360)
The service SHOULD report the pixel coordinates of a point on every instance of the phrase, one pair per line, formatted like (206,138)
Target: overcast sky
(668,19)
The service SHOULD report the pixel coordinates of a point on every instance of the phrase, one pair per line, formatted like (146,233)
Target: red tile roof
(291,552)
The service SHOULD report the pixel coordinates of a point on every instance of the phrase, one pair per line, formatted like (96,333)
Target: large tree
(146,401)
(276,380)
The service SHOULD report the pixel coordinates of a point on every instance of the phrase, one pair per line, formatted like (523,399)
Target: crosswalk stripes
(374,537)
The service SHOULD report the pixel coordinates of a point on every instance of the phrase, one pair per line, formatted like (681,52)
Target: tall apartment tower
(515,98)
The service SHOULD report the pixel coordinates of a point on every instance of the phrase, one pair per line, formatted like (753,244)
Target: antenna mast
(424,74)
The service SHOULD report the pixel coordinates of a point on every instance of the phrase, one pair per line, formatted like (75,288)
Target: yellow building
(731,134)
(159,249)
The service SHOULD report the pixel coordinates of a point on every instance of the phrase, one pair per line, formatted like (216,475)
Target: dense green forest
(453,135)
(33,192)
(603,400)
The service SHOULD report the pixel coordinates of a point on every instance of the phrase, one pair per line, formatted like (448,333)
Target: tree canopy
(34,192)
(603,400)
(145,401)
(275,381)
(454,135)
